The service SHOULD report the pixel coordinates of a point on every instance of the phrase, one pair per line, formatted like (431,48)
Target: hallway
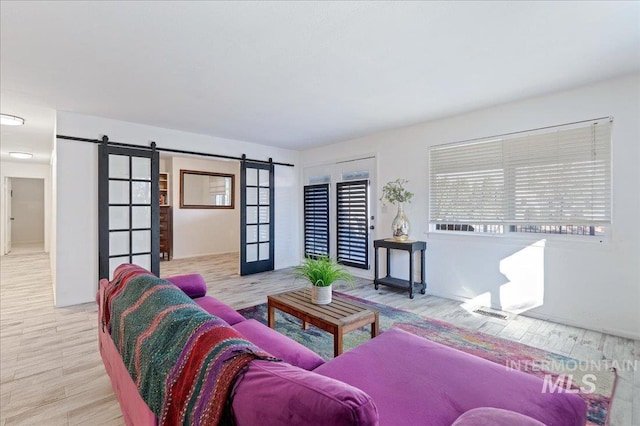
(26,248)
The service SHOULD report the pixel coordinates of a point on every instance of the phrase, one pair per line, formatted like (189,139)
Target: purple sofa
(395,379)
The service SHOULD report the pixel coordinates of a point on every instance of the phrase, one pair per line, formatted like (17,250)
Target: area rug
(593,381)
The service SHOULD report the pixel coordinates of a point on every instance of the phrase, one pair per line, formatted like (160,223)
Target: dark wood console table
(411,247)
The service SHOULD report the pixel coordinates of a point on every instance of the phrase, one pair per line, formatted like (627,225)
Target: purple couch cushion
(219,309)
(279,345)
(488,416)
(413,380)
(192,284)
(279,394)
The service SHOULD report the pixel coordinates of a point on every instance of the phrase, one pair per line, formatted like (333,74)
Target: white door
(347,180)
(7,196)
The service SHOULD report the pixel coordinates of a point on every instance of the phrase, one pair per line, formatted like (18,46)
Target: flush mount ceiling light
(21,155)
(11,120)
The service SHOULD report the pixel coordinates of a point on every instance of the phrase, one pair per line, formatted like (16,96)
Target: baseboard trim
(189,256)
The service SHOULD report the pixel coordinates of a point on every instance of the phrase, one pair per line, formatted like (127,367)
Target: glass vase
(400,225)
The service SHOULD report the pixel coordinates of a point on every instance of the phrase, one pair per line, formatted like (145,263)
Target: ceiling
(297,74)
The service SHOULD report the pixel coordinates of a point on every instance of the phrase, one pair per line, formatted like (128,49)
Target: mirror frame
(206,206)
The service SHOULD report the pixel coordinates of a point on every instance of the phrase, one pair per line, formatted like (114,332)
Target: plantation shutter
(560,178)
(316,220)
(353,223)
(466,183)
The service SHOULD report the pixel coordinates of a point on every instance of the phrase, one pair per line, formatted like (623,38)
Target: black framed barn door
(128,204)
(256,217)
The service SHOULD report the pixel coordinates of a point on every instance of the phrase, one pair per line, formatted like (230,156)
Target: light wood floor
(51,372)
(27,248)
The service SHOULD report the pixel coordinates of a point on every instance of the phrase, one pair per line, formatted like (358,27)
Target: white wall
(76,256)
(591,284)
(53,221)
(25,169)
(27,208)
(76,263)
(198,232)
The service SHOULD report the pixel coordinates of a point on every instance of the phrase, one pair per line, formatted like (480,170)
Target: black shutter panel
(316,220)
(353,223)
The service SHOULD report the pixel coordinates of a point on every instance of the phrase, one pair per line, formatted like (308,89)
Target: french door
(256,217)
(316,220)
(347,213)
(352,223)
(129,212)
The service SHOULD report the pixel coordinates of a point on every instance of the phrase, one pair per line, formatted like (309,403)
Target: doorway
(25,227)
(198,231)
(340,211)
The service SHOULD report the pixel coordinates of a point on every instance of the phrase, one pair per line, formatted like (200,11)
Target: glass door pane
(256,245)
(128,208)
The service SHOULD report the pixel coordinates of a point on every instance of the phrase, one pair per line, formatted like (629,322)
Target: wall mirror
(206,190)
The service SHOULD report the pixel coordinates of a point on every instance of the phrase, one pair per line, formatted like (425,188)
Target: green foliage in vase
(394,192)
(323,271)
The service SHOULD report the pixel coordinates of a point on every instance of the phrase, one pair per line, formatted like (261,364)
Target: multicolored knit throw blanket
(183,360)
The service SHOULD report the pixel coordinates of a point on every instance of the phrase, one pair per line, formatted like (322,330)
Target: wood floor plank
(51,372)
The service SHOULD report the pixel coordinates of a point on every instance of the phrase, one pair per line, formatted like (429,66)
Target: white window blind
(467,183)
(559,177)
(562,177)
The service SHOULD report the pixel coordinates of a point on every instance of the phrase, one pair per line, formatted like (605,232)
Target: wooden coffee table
(338,317)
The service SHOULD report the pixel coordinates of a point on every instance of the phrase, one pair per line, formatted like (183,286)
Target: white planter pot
(321,295)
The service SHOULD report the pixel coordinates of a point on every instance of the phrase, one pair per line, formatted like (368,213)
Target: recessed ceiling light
(21,155)
(11,120)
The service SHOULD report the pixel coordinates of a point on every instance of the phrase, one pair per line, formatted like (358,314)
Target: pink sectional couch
(395,379)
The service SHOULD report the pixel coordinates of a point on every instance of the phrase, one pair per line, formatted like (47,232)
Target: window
(316,220)
(353,223)
(559,229)
(477,228)
(555,182)
(220,192)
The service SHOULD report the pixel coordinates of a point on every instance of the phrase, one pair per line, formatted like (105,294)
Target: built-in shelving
(164,188)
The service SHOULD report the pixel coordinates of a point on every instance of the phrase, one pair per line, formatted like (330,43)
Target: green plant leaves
(394,192)
(323,271)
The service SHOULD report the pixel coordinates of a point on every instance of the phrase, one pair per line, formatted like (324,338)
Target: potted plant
(394,192)
(322,272)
